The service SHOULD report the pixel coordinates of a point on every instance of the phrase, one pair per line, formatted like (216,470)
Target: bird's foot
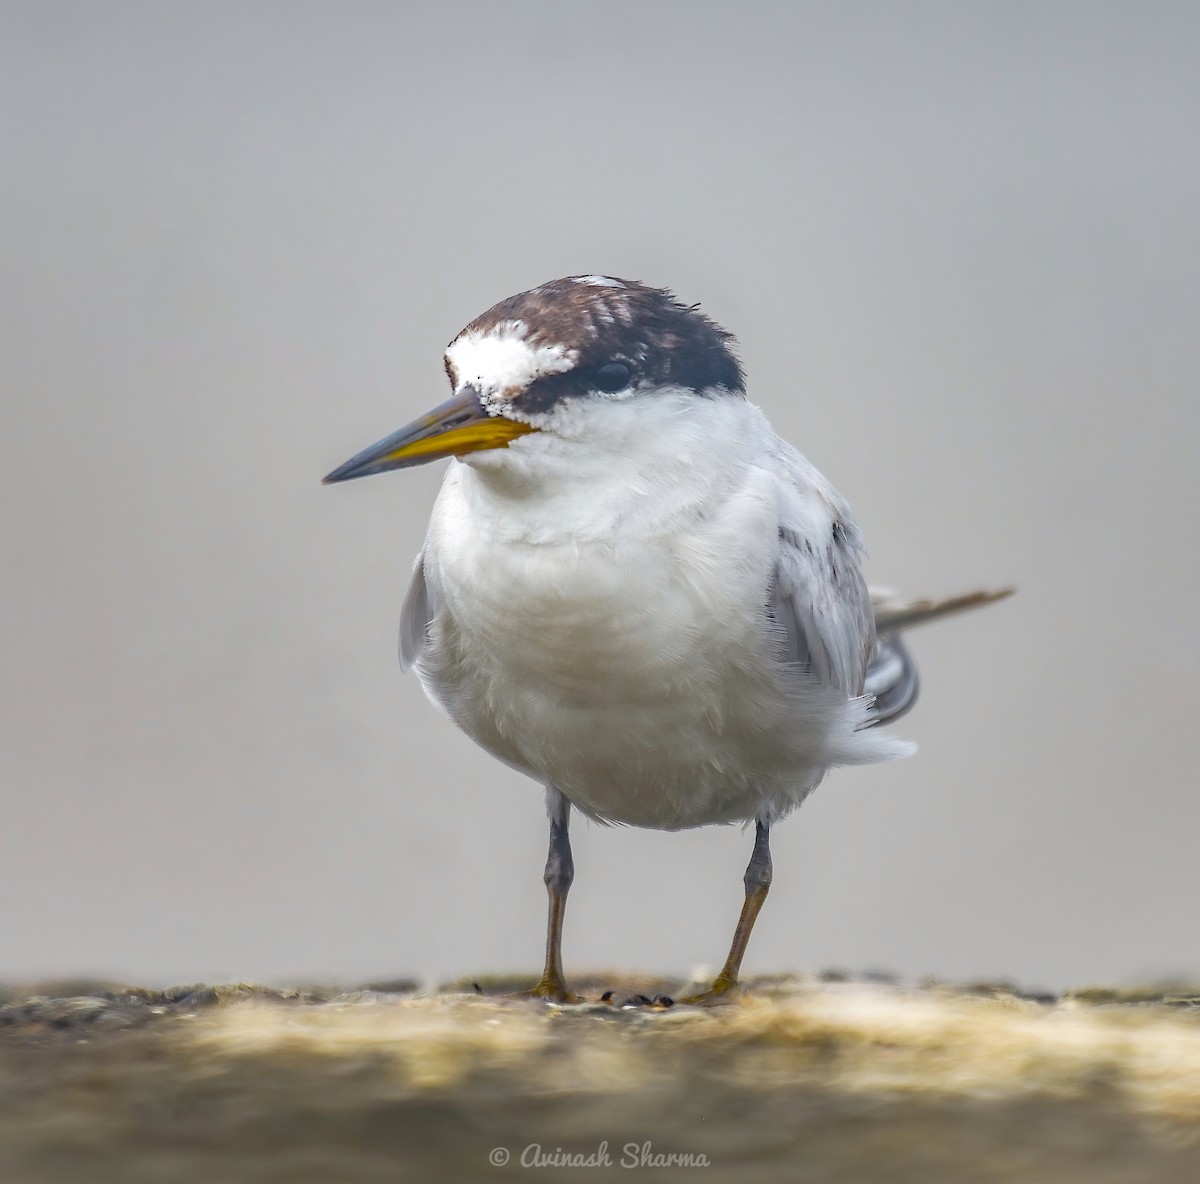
(549,990)
(726,989)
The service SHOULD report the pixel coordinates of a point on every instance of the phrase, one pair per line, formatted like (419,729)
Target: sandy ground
(806,1079)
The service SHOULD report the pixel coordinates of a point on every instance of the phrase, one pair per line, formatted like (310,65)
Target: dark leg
(758,882)
(560,871)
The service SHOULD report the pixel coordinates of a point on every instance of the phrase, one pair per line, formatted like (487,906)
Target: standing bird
(632,589)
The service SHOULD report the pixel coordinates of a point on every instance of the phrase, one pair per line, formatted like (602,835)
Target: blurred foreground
(812,1080)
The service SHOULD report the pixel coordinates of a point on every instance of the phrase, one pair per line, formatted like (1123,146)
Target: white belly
(636,675)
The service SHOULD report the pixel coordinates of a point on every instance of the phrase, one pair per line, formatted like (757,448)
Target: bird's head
(552,360)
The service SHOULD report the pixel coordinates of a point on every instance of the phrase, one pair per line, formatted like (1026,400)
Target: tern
(633,590)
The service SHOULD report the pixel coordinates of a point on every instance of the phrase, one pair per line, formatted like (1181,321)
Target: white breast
(614,641)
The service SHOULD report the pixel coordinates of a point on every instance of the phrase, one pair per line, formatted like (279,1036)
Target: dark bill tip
(461,424)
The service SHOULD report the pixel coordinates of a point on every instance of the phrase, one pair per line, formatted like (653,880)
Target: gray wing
(818,594)
(415,616)
(821,601)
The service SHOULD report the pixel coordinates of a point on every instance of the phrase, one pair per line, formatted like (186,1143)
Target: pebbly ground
(811,1079)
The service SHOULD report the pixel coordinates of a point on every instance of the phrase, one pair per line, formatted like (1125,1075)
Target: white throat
(604,469)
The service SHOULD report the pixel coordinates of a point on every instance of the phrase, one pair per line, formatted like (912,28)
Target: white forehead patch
(597,281)
(502,359)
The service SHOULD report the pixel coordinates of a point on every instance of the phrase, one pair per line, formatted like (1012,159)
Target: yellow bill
(462,424)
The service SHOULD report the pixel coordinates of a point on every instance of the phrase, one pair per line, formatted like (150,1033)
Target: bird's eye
(612,377)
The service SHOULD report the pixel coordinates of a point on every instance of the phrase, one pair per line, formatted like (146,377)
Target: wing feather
(818,595)
(892,613)
(415,616)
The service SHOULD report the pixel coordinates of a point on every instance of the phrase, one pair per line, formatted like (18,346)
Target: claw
(724,990)
(549,991)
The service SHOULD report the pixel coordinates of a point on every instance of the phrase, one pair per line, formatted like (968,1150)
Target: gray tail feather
(892,675)
(891,679)
(892,615)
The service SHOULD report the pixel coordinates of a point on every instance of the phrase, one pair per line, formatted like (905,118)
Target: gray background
(959,245)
